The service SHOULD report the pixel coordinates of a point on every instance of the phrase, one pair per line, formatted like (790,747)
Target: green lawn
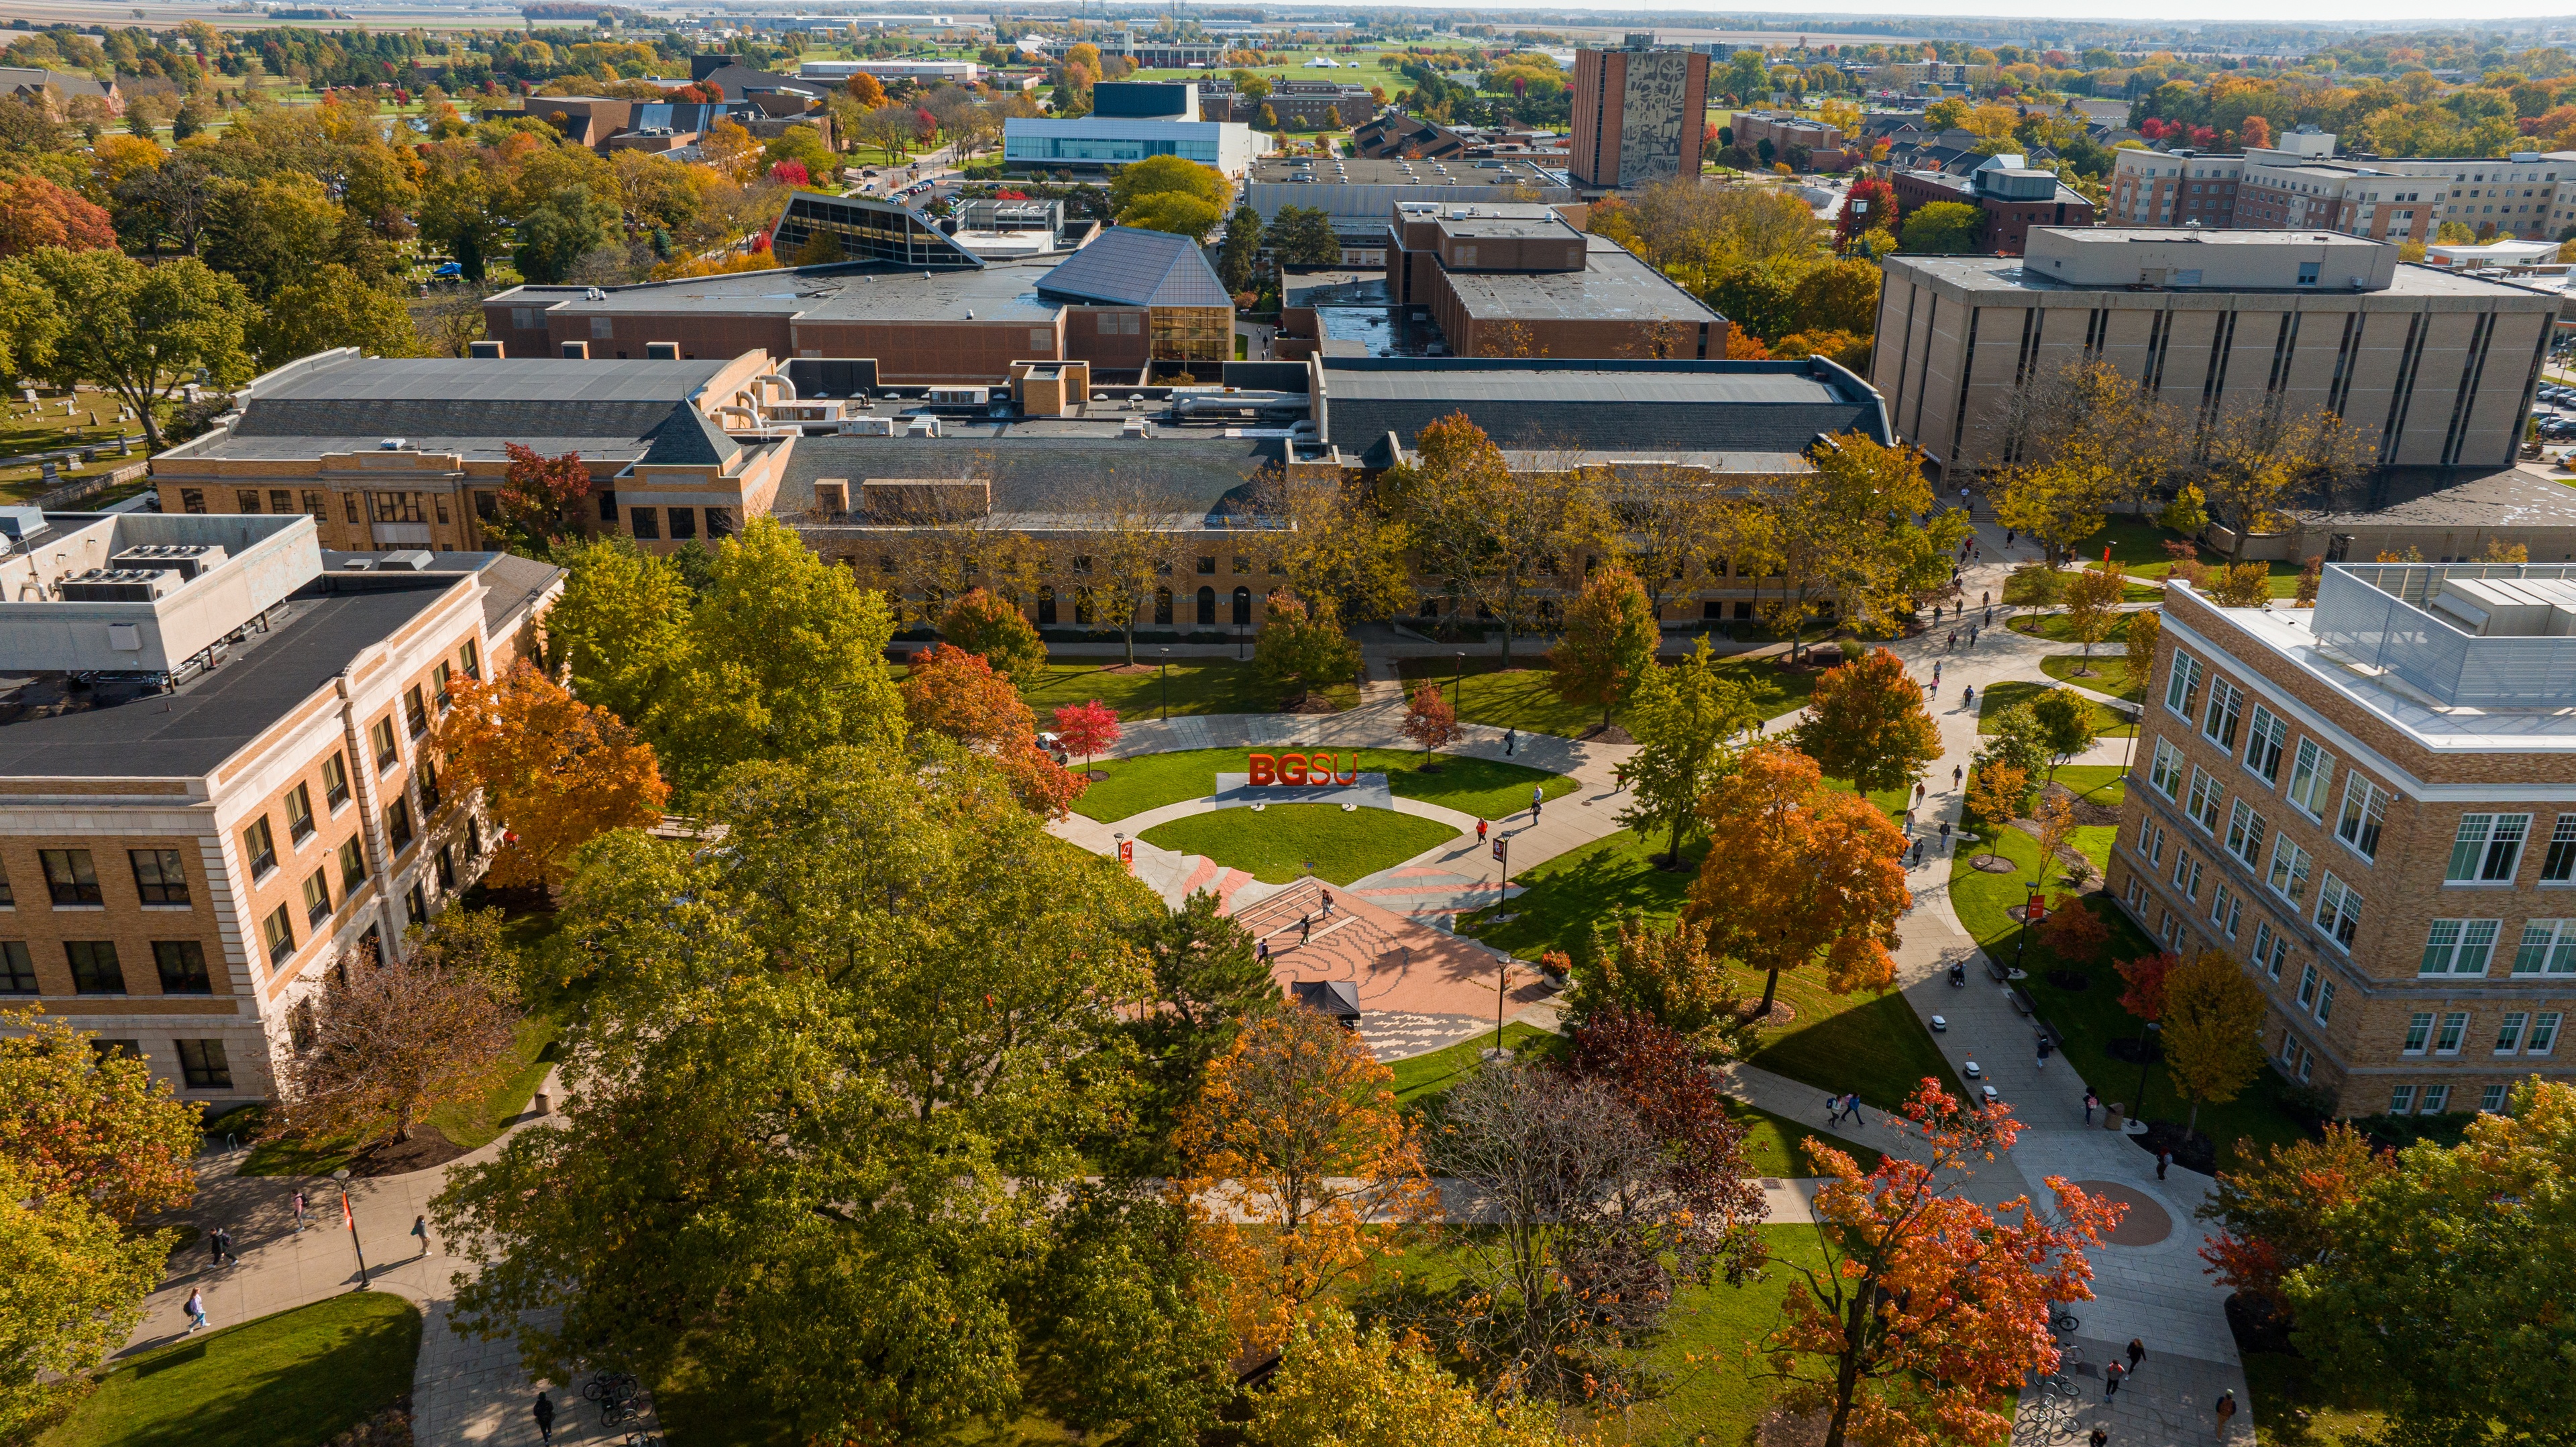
(1712,1395)
(1200,686)
(2104,784)
(1273,845)
(2091,1018)
(2058,628)
(1524,698)
(2139,546)
(1424,1077)
(2110,673)
(295,1379)
(1487,788)
(1562,898)
(2292,1409)
(2107,723)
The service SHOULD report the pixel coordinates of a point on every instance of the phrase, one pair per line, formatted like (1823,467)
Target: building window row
(72,882)
(2517,1032)
(96,970)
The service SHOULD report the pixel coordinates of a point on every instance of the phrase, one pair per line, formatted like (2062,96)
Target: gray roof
(851,291)
(629,409)
(1725,408)
(1130,267)
(1041,477)
(2432,497)
(2005,275)
(688,436)
(1614,285)
(487,379)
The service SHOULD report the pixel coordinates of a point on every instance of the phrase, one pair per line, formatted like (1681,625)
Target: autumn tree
(1668,975)
(956,695)
(1675,1089)
(2074,933)
(1797,871)
(1088,729)
(2083,438)
(1609,643)
(1428,718)
(2145,977)
(1866,722)
(1678,529)
(997,631)
(2093,600)
(2263,457)
(1995,794)
(555,772)
(1683,718)
(2275,1211)
(1300,649)
(2034,586)
(1293,1145)
(539,492)
(2144,629)
(1340,1385)
(1495,535)
(2213,1036)
(1125,546)
(1848,531)
(1339,543)
(145,332)
(2472,1240)
(1926,1306)
(388,1039)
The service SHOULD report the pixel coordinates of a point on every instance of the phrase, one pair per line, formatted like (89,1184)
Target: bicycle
(2064,1321)
(644,1439)
(609,1386)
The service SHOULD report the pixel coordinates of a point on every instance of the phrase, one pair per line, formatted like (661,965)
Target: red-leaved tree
(1876,210)
(1928,1307)
(538,492)
(1429,720)
(34,212)
(1665,1080)
(957,695)
(2145,997)
(790,173)
(1088,729)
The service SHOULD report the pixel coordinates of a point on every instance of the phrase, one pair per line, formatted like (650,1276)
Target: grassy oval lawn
(2107,724)
(1487,788)
(294,1379)
(1274,845)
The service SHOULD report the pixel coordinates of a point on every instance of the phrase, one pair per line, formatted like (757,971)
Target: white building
(963,72)
(1099,142)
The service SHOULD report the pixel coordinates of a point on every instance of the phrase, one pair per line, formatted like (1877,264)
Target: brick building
(1807,144)
(2301,185)
(1639,115)
(212,780)
(2373,804)
(2014,197)
(1506,280)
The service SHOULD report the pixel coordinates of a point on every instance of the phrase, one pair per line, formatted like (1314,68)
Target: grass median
(1486,788)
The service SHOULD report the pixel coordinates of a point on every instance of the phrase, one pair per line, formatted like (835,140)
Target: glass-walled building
(1099,142)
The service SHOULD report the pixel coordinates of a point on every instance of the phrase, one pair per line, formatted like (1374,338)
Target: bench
(1996,968)
(2022,1002)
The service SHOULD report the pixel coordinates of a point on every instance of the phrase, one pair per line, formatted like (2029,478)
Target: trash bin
(542,1105)
(2112,1120)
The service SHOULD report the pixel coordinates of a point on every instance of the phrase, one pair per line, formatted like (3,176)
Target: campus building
(1639,114)
(2373,805)
(2436,368)
(1358,193)
(1804,142)
(1518,281)
(2300,185)
(212,771)
(2014,197)
(1124,134)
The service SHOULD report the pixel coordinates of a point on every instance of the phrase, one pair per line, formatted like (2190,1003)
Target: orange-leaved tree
(957,695)
(538,492)
(1796,870)
(1087,729)
(1428,718)
(1866,723)
(1926,1304)
(555,772)
(1294,1145)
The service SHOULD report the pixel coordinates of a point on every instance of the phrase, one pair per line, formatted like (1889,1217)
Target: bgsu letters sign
(1301,769)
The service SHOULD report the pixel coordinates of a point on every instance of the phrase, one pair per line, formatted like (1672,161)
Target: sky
(2392,14)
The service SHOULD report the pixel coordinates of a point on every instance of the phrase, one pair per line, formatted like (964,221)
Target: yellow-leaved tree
(555,772)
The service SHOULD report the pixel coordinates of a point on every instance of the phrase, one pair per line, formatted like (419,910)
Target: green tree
(1206,983)
(1302,648)
(1942,228)
(143,332)
(1303,236)
(1747,75)
(2017,739)
(1609,643)
(1866,723)
(826,1082)
(994,629)
(270,232)
(1665,972)
(2213,1029)
(1845,531)
(1683,718)
(2093,599)
(2187,513)
(2065,722)
(2473,1240)
(332,309)
(561,230)
(2034,586)
(30,321)
(1173,211)
(621,625)
(1125,1335)
(1156,175)
(1240,257)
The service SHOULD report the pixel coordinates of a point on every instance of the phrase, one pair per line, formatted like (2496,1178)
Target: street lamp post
(2146,1058)
(1457,682)
(350,1215)
(1167,685)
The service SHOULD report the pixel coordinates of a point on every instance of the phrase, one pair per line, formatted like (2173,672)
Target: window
(279,929)
(1207,567)
(2264,740)
(2245,834)
(647,521)
(2325,1002)
(2558,866)
(317,897)
(349,502)
(2544,1033)
(2488,849)
(318,503)
(415,714)
(2365,804)
(246,499)
(17,968)
(2271,949)
(2401,1100)
(2202,806)
(2156,847)
(2226,710)
(94,967)
(2491,1100)
(438,678)
(426,776)
(335,782)
(2459,947)
(69,877)
(2309,979)
(2338,910)
(183,967)
(2435,1097)
(192,500)
(684,522)
(416,905)
(2455,1027)
(2186,876)
(472,658)
(398,825)
(2307,1062)
(202,1065)
(2226,910)
(158,876)
(353,866)
(447,866)
(2166,774)
(381,734)
(2509,1032)
(2419,1032)
(259,847)
(2548,948)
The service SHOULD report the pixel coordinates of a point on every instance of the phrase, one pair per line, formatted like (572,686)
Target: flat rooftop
(1717,409)
(124,728)
(1050,474)
(1613,286)
(1388,171)
(1001,291)
(2001,276)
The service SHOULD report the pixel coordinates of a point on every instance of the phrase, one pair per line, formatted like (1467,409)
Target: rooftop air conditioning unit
(185,559)
(116,585)
(868,426)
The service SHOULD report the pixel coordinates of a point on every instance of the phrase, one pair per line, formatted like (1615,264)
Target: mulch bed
(1782,1013)
(388,1428)
(2070,980)
(428,1146)
(1605,734)
(2193,1152)
(1993,864)
(1312,703)
(2085,810)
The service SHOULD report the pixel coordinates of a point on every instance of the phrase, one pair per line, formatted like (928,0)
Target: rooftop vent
(394,444)
(116,585)
(411,560)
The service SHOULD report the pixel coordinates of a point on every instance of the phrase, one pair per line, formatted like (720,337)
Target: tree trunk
(1847,1371)
(151,424)
(2191,1120)
(1770,992)
(1674,858)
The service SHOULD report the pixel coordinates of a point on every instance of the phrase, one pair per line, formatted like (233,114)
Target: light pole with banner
(350,1215)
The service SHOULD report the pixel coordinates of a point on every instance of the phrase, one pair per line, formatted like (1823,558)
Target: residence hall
(1509,280)
(926,514)
(402,453)
(213,779)
(2435,369)
(1358,193)
(2372,804)
(926,310)
(2013,197)
(2301,185)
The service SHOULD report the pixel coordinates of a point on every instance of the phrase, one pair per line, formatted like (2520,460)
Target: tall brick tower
(1639,113)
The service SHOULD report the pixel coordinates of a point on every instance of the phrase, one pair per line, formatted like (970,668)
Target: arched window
(1207,607)
(1242,606)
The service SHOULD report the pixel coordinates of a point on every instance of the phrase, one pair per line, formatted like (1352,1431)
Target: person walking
(1968,696)
(1957,772)
(2226,1410)
(2137,1353)
(1305,928)
(299,1213)
(544,1412)
(1909,823)
(1261,952)
(1328,904)
(420,1228)
(1511,741)
(2164,1158)
(2091,1103)
(1833,1110)
(1538,796)
(1936,675)
(2111,1376)
(1945,836)
(1918,851)
(217,1243)
(1851,1107)
(1480,831)
(196,1308)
